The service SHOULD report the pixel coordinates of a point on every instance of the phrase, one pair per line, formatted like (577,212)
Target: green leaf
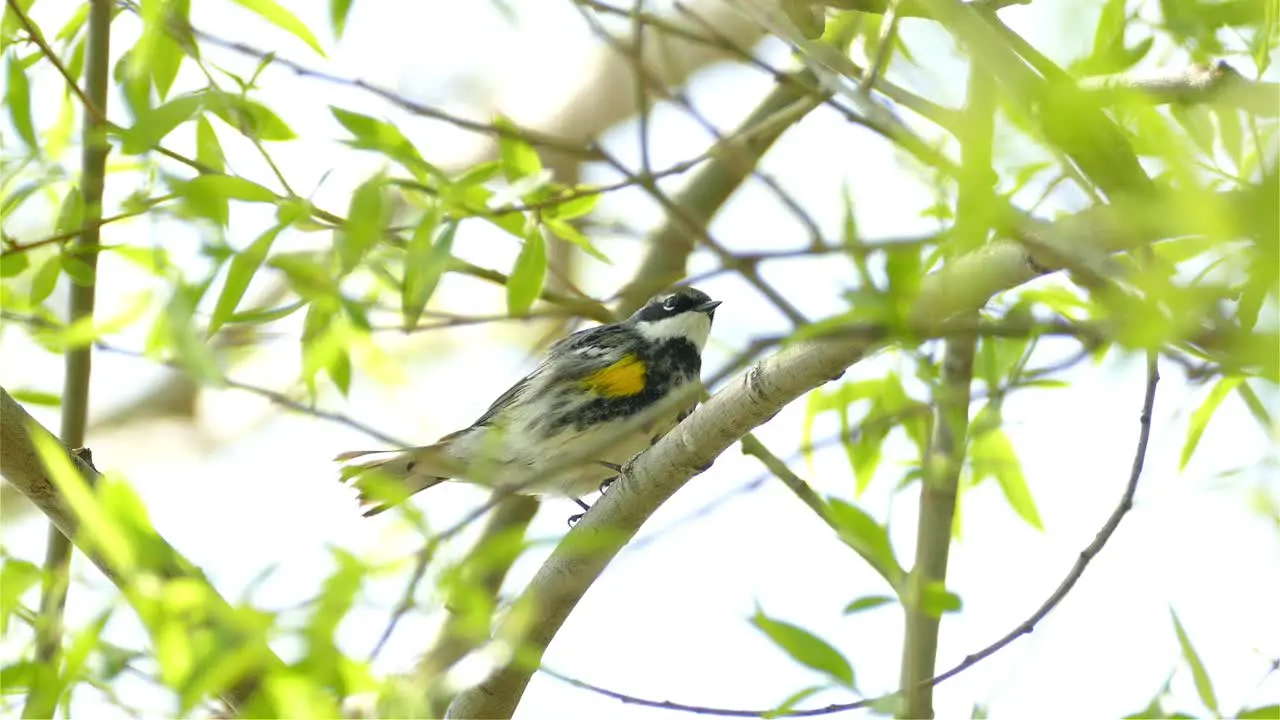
(791,702)
(565,231)
(381,136)
(938,600)
(240,272)
(72,27)
(366,219)
(167,54)
(992,455)
(1200,418)
(1231,134)
(1254,403)
(307,276)
(188,345)
(208,149)
(576,205)
(528,275)
(868,602)
(17,97)
(16,578)
(226,186)
(13,263)
(96,529)
(1270,712)
(152,126)
(338,11)
(518,158)
(36,397)
(1203,686)
(21,676)
(250,118)
(71,214)
(426,259)
(277,15)
(867,537)
(258,317)
(1198,123)
(806,648)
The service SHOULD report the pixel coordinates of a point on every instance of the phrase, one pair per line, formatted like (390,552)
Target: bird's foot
(607,483)
(573,519)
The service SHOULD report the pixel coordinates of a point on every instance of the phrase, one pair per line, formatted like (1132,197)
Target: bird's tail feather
(385,478)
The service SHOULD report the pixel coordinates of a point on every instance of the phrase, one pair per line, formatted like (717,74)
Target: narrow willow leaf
(208,148)
(1231,133)
(565,231)
(338,11)
(259,317)
(16,578)
(518,158)
(575,206)
(366,220)
(1200,418)
(96,528)
(13,263)
(17,97)
(381,136)
(167,55)
(71,27)
(867,603)
(938,600)
(993,455)
(45,279)
(783,709)
(35,397)
(1254,403)
(426,259)
(1204,687)
(240,272)
(867,537)
(278,15)
(187,344)
(528,275)
(155,124)
(226,186)
(806,648)
(248,117)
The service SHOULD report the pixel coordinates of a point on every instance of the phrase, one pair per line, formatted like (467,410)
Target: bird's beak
(708,307)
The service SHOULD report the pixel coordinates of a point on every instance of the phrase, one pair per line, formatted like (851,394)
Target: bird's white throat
(692,326)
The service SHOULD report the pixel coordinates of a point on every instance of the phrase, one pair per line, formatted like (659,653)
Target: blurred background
(247,489)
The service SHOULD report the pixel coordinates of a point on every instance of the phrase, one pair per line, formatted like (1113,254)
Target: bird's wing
(578,356)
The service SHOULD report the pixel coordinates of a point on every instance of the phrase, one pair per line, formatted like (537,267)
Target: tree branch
(1218,85)
(21,466)
(41,701)
(1073,576)
(669,248)
(945,457)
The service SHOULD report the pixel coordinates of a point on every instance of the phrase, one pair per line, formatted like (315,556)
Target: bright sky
(250,488)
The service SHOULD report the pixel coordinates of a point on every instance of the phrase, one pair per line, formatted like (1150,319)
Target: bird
(585,390)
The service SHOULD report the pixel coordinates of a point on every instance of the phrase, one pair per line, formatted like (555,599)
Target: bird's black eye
(671,303)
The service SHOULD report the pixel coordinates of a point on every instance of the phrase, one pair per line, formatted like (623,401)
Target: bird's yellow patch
(623,378)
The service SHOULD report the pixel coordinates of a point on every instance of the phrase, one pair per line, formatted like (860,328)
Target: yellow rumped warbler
(590,384)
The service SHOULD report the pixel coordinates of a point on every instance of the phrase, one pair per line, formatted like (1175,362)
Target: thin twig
(96,109)
(277,398)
